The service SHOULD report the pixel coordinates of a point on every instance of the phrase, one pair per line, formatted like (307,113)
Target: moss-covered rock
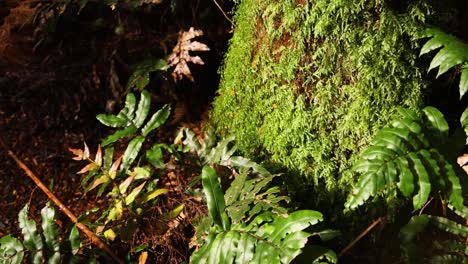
(306,84)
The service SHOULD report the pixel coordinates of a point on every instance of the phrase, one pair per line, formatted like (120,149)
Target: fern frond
(221,153)
(38,244)
(276,241)
(451,249)
(407,156)
(452,52)
(254,232)
(132,118)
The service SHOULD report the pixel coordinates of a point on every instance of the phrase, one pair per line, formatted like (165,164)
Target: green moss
(306,84)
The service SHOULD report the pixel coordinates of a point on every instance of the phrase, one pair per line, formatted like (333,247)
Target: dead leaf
(79,155)
(142,258)
(463,162)
(101,180)
(86,151)
(87,168)
(180,55)
(114,167)
(98,158)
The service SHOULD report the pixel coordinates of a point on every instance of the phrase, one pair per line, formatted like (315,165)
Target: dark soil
(50,94)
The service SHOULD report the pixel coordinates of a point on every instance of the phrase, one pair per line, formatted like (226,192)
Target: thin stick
(347,248)
(98,242)
(222,11)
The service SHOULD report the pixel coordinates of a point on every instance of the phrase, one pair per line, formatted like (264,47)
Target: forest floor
(48,104)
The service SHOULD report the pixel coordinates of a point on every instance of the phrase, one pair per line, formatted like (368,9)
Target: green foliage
(452,52)
(413,155)
(131,118)
(134,188)
(448,251)
(213,152)
(38,244)
(249,222)
(308,93)
(268,237)
(141,75)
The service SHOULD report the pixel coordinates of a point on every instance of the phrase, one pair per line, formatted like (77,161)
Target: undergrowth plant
(451,249)
(418,149)
(132,188)
(249,223)
(42,243)
(414,156)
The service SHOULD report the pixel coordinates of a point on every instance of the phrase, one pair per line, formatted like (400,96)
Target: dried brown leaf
(101,180)
(98,158)
(115,167)
(463,162)
(180,55)
(79,154)
(86,151)
(87,168)
(143,257)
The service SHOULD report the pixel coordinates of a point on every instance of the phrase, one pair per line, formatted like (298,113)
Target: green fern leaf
(118,135)
(408,234)
(74,240)
(463,212)
(128,111)
(156,120)
(214,197)
(448,225)
(437,122)
(234,191)
(279,241)
(11,250)
(418,224)
(295,222)
(423,182)
(464,80)
(132,151)
(143,109)
(405,185)
(448,259)
(452,53)
(402,155)
(112,120)
(50,232)
(241,162)
(32,239)
(364,188)
(464,122)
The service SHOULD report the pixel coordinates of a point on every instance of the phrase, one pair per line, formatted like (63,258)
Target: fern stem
(424,207)
(348,247)
(98,242)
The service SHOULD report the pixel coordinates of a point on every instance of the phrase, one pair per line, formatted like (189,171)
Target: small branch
(348,247)
(98,242)
(424,207)
(224,14)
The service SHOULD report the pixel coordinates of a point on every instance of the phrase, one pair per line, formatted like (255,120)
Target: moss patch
(306,84)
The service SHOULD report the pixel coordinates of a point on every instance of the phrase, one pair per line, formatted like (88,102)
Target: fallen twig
(98,242)
(348,247)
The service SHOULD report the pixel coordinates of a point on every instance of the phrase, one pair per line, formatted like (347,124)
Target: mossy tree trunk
(307,83)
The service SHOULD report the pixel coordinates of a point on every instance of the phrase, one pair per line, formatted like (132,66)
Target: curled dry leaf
(180,55)
(80,154)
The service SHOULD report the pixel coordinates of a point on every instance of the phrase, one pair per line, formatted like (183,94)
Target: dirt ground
(48,102)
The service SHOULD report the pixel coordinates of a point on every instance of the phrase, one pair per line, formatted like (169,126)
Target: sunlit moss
(306,84)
